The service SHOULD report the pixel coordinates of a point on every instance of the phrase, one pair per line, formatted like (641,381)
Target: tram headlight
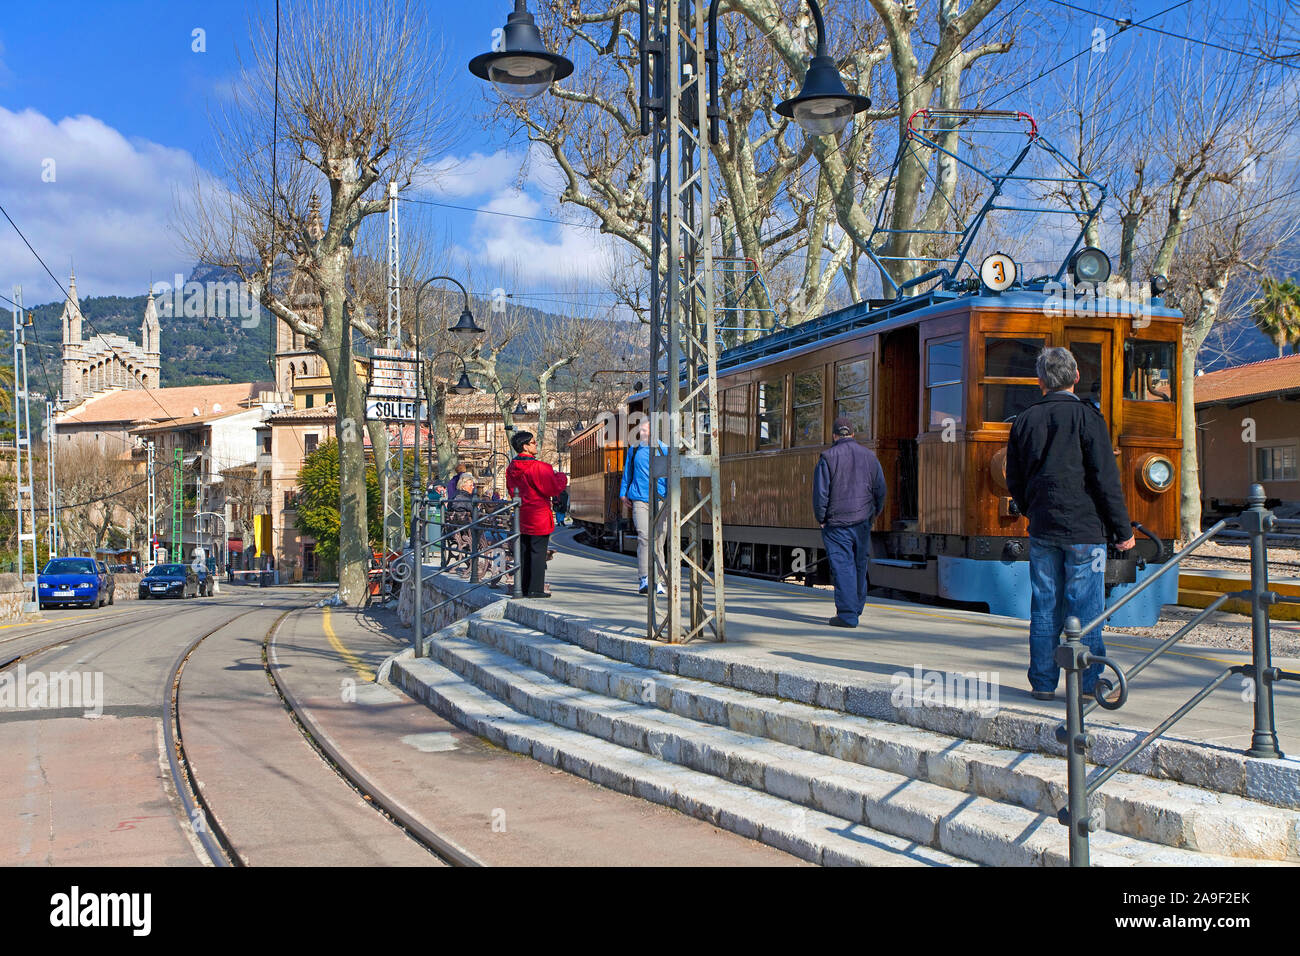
(1156,472)
(1090,264)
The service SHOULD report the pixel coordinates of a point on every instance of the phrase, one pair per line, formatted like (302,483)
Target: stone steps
(1159,812)
(919,813)
(808,834)
(1169,760)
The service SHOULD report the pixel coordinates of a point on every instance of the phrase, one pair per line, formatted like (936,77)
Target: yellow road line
(364,672)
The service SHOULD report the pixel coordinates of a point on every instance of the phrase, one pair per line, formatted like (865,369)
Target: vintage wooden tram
(932,382)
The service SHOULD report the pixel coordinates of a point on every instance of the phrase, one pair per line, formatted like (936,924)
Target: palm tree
(1277,313)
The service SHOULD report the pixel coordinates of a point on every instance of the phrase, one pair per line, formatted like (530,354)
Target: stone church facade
(102,362)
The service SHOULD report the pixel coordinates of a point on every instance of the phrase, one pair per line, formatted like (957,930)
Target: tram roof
(898,313)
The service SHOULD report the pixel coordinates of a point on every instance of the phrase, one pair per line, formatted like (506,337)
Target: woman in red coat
(534,483)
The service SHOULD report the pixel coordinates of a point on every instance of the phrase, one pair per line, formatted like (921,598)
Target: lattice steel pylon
(51,484)
(152,529)
(25,500)
(682,338)
(178,504)
(393,482)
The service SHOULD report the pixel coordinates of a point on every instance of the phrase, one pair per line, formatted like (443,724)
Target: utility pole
(683,344)
(51,485)
(26,498)
(153,506)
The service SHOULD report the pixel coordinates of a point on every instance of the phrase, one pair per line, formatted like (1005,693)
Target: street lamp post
(683,339)
(225,532)
(418,499)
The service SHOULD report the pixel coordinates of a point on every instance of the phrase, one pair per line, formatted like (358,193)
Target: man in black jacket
(848,493)
(1062,475)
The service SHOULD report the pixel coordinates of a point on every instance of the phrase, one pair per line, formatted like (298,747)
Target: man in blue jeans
(1062,475)
(848,493)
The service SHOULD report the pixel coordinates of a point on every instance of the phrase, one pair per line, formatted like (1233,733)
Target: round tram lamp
(1157,473)
(823,107)
(522,68)
(998,272)
(1090,264)
(1159,284)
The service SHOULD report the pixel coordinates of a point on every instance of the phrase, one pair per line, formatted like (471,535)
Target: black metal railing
(1074,657)
(465,531)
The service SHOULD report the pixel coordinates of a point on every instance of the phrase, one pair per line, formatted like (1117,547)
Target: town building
(1248,431)
(102,362)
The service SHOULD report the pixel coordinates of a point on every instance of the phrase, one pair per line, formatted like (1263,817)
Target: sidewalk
(502,809)
(787,623)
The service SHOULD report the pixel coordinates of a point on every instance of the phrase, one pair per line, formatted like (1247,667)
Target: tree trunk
(354,543)
(1194,333)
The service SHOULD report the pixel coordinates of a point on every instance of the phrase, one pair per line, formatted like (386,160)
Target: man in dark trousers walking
(1062,475)
(848,493)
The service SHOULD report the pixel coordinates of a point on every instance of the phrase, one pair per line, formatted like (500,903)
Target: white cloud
(110,206)
(539,253)
(456,177)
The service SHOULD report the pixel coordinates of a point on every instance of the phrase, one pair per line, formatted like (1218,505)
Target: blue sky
(112,92)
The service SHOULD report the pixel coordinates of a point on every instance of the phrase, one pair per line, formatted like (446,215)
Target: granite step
(1158,812)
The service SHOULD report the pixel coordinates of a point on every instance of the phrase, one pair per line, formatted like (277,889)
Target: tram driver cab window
(1010,379)
(1148,371)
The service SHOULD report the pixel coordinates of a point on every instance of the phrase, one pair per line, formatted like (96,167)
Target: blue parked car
(83,581)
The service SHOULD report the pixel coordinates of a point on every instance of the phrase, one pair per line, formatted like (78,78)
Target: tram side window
(771,413)
(943,381)
(1010,378)
(853,395)
(735,418)
(1148,371)
(808,412)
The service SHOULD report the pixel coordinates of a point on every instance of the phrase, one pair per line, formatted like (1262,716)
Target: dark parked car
(205,580)
(169,580)
(82,581)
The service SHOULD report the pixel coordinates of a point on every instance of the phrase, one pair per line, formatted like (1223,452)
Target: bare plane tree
(361,106)
(798,210)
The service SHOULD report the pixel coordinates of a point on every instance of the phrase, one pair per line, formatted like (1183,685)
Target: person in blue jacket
(635,492)
(848,493)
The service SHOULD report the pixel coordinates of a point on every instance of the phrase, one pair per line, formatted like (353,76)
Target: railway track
(218,849)
(204,823)
(6,662)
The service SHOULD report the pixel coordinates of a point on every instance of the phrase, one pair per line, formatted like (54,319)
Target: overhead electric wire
(1124,24)
(94,331)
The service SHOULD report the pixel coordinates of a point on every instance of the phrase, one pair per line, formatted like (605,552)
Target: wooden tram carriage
(932,383)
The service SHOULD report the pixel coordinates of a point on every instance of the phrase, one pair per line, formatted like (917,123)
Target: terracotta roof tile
(1256,379)
(161,404)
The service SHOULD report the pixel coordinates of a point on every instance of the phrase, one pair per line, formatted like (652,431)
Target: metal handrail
(1075,657)
(509,544)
